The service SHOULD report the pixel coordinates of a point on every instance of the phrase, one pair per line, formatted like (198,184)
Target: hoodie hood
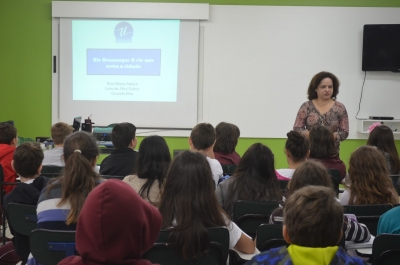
(6,150)
(115,226)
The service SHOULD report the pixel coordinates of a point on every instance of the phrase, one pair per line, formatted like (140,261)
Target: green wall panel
(25,66)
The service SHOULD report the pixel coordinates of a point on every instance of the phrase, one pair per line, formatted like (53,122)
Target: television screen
(381,48)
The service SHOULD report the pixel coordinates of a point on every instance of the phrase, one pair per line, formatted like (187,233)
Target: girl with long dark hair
(254,180)
(189,206)
(151,166)
(382,138)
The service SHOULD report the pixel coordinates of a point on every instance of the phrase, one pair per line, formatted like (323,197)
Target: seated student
(122,160)
(382,138)
(297,149)
(202,140)
(61,201)
(188,206)
(389,222)
(314,173)
(227,136)
(28,164)
(59,132)
(369,181)
(120,243)
(322,148)
(8,142)
(254,180)
(313,227)
(151,167)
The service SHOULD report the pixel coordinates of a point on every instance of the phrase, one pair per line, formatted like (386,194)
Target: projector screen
(140,71)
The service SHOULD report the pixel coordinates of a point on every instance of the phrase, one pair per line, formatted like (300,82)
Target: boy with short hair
(202,140)
(8,142)
(27,162)
(53,157)
(312,221)
(122,160)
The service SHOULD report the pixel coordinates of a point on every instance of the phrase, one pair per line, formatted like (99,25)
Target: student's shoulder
(342,258)
(274,256)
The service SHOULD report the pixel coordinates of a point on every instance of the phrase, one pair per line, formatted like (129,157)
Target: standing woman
(323,109)
(382,138)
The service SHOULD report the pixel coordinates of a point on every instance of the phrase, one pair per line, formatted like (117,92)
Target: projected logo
(123,32)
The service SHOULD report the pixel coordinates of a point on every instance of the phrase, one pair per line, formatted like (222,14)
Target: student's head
(382,137)
(188,197)
(79,179)
(316,81)
(28,159)
(227,136)
(8,134)
(297,147)
(322,142)
(60,131)
(202,137)
(255,177)
(312,217)
(123,216)
(310,172)
(369,178)
(152,162)
(123,135)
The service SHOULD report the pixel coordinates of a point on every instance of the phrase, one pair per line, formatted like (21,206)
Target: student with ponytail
(61,202)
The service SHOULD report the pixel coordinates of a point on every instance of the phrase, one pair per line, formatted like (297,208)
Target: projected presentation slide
(129,60)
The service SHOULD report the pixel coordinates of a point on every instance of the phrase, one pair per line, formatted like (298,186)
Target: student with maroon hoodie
(8,142)
(105,242)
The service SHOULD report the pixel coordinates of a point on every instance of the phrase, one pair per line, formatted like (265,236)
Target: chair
(368,214)
(22,218)
(229,169)
(395,180)
(49,247)
(2,194)
(163,251)
(335,177)
(112,177)
(51,171)
(177,151)
(269,236)
(283,184)
(386,249)
(250,215)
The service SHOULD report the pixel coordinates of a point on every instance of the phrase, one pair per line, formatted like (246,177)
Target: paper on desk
(352,245)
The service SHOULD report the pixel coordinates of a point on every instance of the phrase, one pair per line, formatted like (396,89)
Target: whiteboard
(258,62)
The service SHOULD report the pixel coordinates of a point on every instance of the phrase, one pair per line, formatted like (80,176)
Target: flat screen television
(381,48)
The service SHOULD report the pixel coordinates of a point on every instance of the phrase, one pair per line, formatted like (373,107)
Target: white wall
(259,60)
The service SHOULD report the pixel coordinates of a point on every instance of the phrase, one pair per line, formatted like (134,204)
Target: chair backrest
(335,177)
(283,184)
(269,236)
(22,218)
(229,169)
(250,215)
(386,249)
(112,177)
(49,247)
(163,251)
(176,152)
(369,214)
(395,180)
(51,171)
